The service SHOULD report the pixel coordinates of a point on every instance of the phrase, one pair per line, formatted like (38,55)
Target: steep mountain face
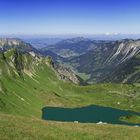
(123,51)
(127,72)
(104,60)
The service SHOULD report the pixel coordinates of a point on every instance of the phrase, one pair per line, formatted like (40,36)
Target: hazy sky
(69,16)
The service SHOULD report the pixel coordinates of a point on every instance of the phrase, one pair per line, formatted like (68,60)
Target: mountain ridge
(21,58)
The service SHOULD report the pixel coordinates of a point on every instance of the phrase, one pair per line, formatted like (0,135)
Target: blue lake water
(88,114)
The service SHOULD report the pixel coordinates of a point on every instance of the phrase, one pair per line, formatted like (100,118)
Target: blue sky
(69,16)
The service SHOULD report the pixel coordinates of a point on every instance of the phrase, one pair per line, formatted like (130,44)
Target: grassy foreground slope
(22,128)
(22,98)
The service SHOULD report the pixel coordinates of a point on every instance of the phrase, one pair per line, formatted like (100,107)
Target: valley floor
(24,128)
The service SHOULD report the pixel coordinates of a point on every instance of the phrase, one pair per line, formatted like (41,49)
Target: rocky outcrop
(65,74)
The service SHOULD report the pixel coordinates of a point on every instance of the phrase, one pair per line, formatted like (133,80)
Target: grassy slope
(26,98)
(22,128)
(44,89)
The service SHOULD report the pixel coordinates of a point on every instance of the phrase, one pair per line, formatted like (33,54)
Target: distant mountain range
(95,61)
(42,42)
(99,60)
